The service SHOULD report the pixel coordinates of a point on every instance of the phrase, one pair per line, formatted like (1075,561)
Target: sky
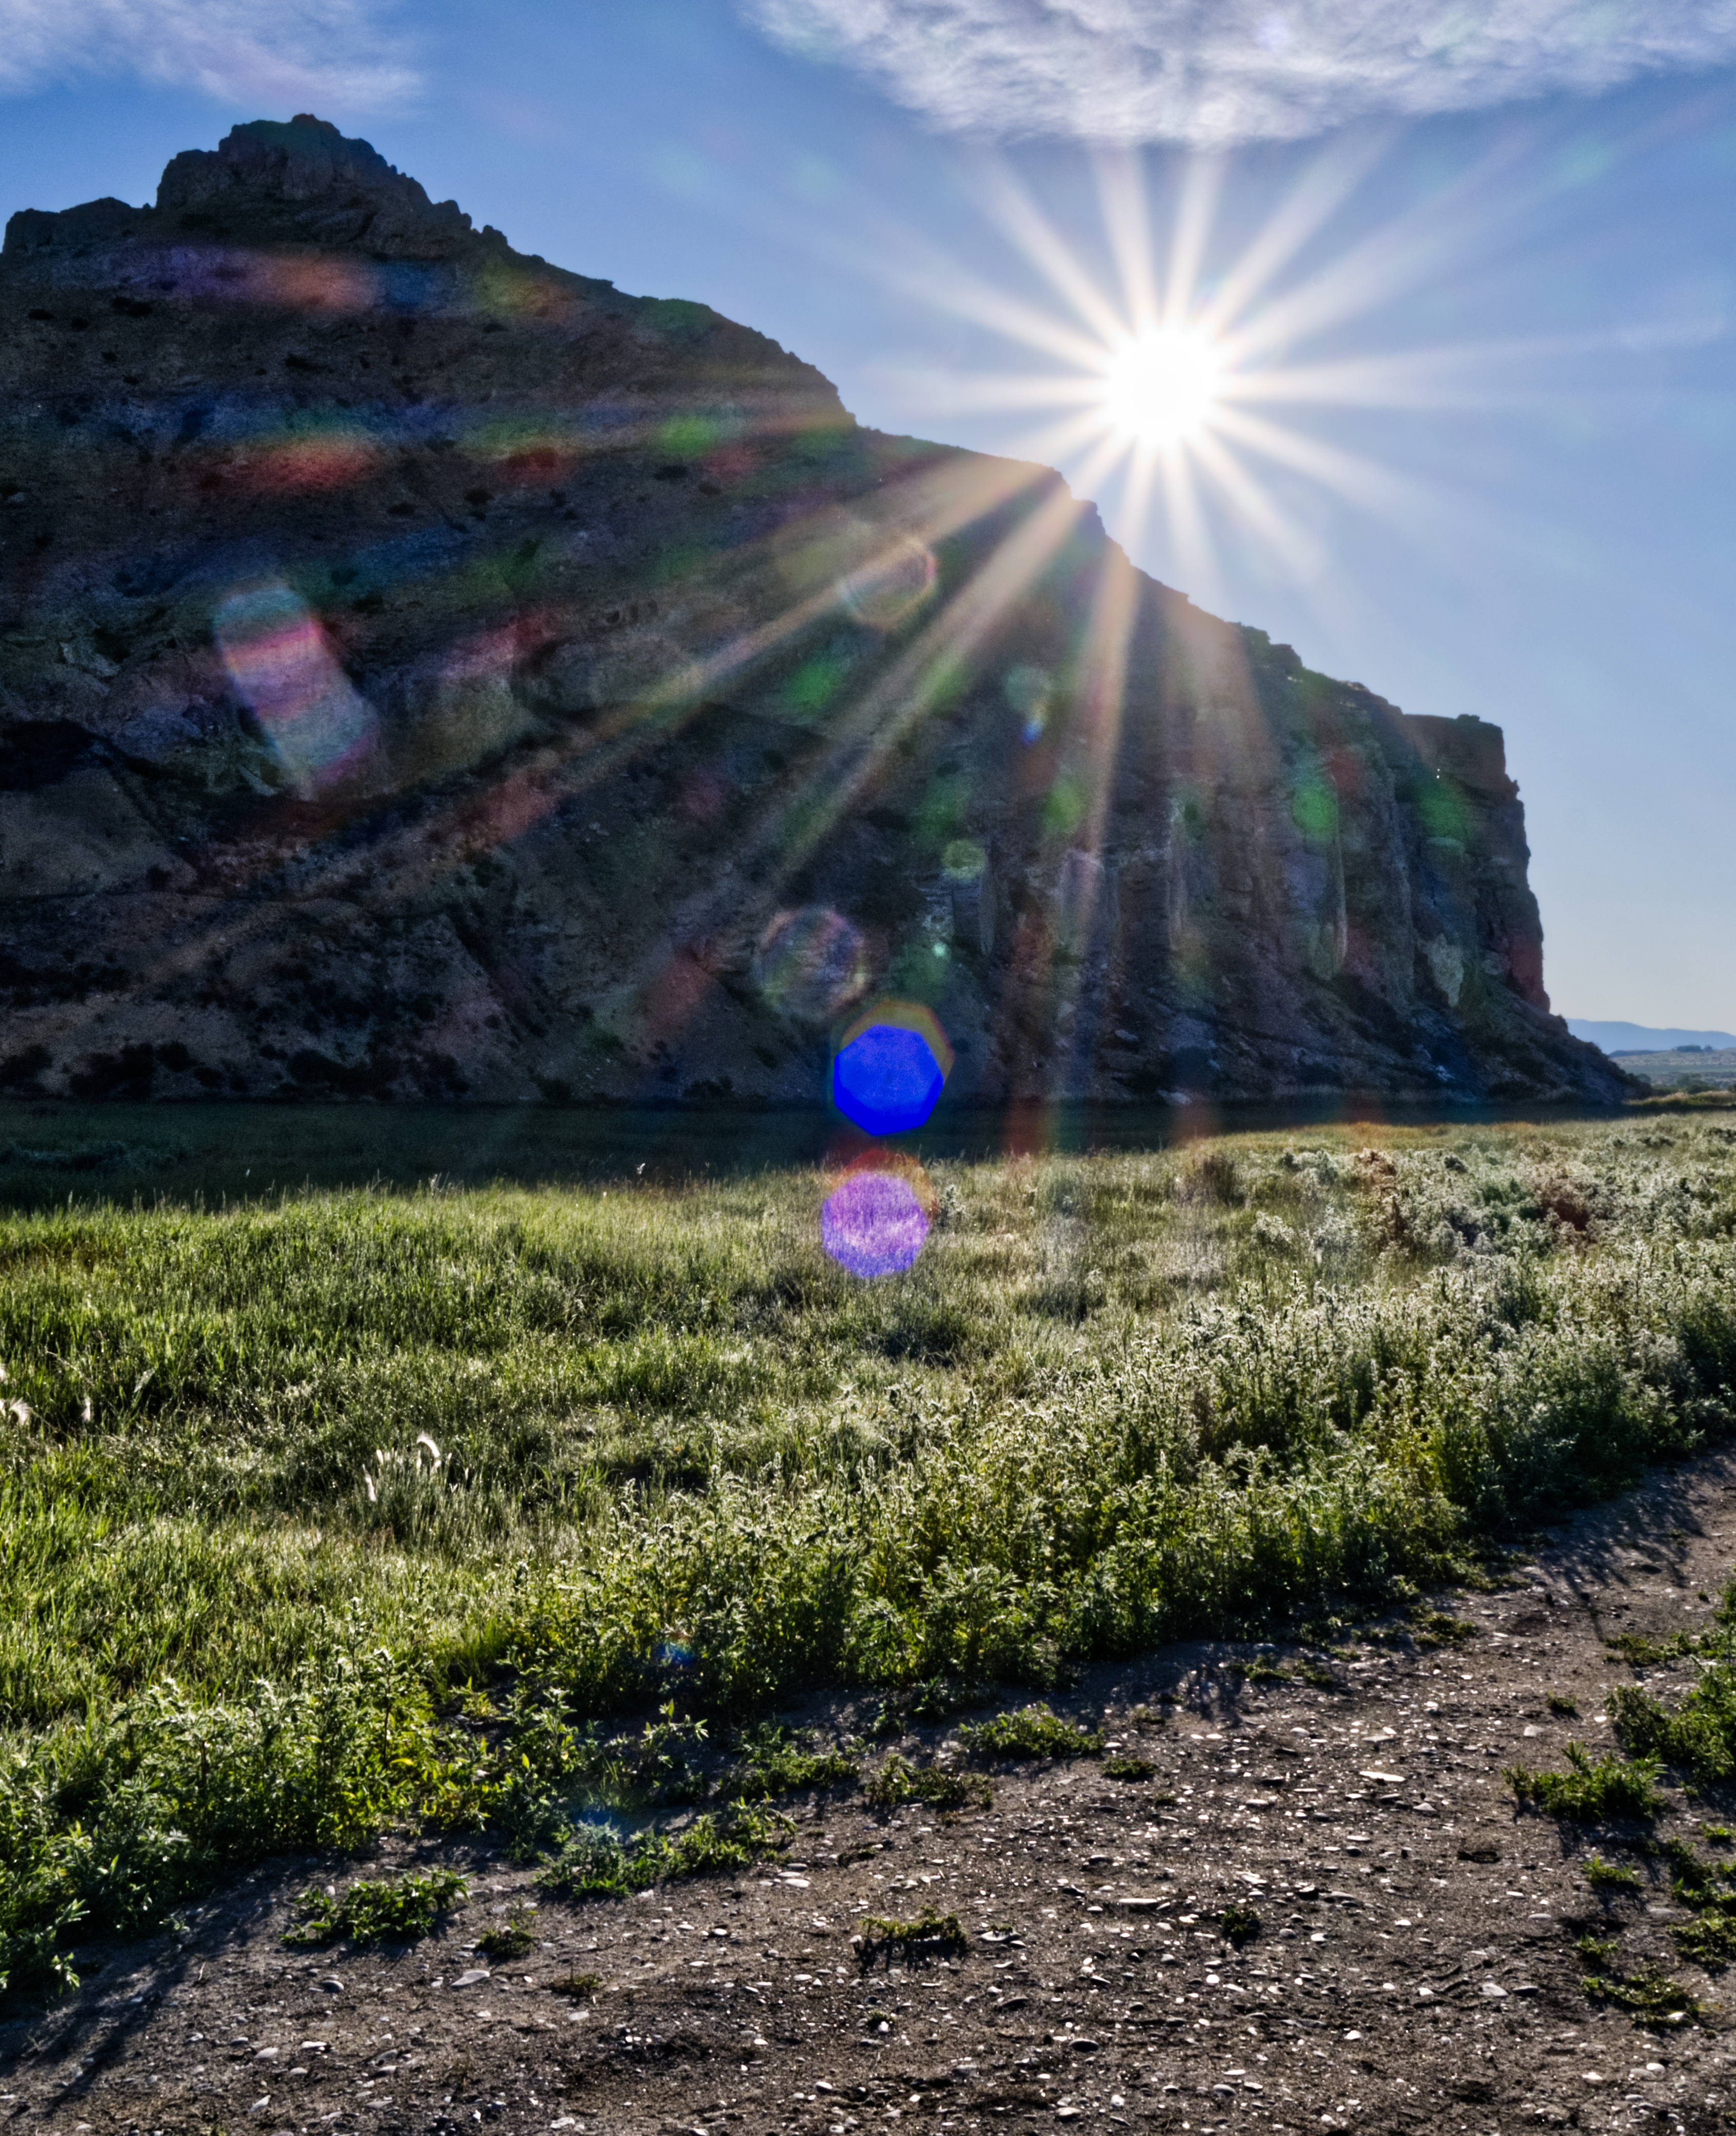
(1441,300)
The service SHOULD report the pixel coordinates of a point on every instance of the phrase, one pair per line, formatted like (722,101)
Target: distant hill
(1643,1038)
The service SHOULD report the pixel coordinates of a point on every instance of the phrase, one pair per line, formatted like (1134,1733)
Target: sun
(1162,387)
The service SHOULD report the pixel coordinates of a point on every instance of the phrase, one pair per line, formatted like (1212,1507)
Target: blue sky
(1477,445)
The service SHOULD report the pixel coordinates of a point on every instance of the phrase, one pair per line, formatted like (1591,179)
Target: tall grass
(356,1508)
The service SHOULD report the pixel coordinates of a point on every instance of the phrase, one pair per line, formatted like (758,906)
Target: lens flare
(890,1068)
(875,1222)
(1161,388)
(278,658)
(1029,691)
(811,963)
(889,588)
(330,460)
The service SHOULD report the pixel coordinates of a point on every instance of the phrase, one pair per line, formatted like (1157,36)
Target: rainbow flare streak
(278,658)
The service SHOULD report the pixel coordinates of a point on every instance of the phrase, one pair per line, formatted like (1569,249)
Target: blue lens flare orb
(875,1222)
(891,1067)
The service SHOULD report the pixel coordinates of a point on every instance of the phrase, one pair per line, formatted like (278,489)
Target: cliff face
(426,672)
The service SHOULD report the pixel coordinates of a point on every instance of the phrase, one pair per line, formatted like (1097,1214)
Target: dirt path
(1415,1969)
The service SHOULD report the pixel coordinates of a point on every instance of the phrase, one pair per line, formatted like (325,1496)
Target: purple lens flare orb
(874,1223)
(891,1067)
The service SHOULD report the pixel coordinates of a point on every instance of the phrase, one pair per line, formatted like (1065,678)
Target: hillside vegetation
(356,1509)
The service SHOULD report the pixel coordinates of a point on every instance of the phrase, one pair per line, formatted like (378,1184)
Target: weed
(929,1935)
(1241,1922)
(1718,1835)
(597,1861)
(1692,1881)
(1261,1671)
(1564,1704)
(576,1987)
(1639,1652)
(1128,1769)
(1709,1940)
(1697,1736)
(1163,1802)
(777,1761)
(397,1910)
(934,1699)
(1434,1628)
(1031,1732)
(515,1939)
(898,1781)
(1650,1996)
(1610,1876)
(1593,1790)
(1597,1950)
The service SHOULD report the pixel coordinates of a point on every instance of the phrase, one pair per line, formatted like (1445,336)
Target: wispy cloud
(1211,73)
(274,55)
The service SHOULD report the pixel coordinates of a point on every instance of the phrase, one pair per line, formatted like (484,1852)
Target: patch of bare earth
(1413,1965)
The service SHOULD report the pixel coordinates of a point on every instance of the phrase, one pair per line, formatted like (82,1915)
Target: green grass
(327,1510)
(1610,1877)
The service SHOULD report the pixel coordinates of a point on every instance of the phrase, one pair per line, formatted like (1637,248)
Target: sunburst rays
(1193,380)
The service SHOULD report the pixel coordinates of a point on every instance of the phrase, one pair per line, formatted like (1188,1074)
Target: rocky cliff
(426,672)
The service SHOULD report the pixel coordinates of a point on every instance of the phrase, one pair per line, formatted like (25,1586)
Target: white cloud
(1213,72)
(272,55)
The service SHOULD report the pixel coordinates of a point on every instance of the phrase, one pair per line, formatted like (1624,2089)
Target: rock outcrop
(426,672)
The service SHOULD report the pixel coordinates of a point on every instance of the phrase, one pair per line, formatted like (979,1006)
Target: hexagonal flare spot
(890,1068)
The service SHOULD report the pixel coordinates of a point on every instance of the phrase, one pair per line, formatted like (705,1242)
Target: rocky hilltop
(424,672)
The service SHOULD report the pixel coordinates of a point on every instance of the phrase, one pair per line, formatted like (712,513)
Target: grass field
(473,1507)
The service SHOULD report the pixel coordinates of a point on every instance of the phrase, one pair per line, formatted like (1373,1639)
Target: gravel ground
(1413,1966)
